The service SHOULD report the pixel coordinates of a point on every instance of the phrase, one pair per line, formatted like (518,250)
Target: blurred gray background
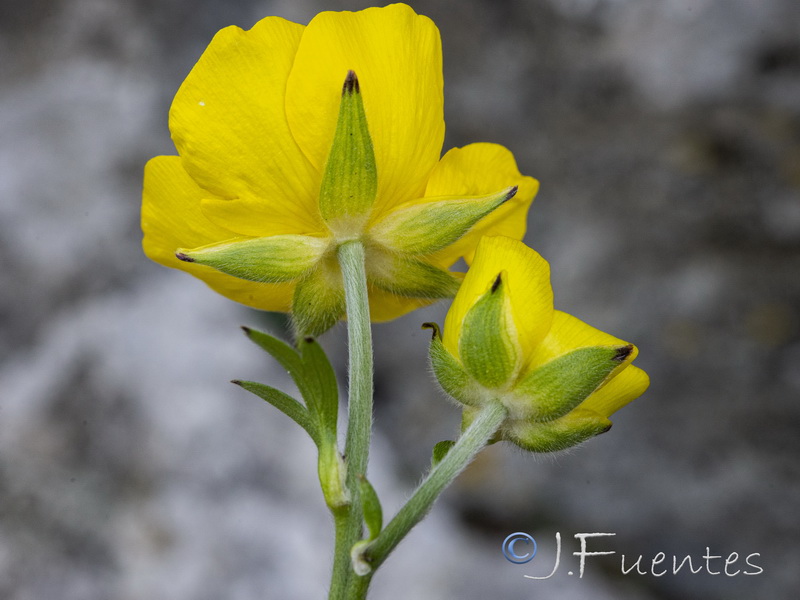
(666,136)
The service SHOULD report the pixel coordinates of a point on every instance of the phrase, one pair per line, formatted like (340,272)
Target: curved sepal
(570,430)
(451,375)
(555,388)
(350,181)
(488,347)
(272,259)
(409,277)
(318,302)
(425,227)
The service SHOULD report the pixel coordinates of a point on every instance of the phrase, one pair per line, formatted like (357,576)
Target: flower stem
(472,441)
(349,523)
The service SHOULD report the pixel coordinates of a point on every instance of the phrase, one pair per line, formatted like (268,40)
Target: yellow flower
(293,140)
(559,378)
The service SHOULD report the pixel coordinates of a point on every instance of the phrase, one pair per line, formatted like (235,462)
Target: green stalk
(472,441)
(349,521)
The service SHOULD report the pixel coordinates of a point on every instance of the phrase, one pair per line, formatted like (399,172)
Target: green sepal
(373,513)
(350,179)
(555,388)
(409,277)
(284,403)
(488,352)
(318,302)
(570,430)
(440,450)
(451,375)
(424,228)
(271,259)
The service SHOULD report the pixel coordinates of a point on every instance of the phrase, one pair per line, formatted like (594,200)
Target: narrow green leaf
(279,350)
(440,450)
(320,389)
(373,513)
(284,403)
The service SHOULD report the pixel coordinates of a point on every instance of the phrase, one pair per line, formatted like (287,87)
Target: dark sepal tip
(623,352)
(497,282)
(350,83)
(512,192)
(247,330)
(435,331)
(309,339)
(183,257)
(236,382)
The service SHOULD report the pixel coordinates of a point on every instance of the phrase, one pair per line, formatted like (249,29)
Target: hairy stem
(472,441)
(349,523)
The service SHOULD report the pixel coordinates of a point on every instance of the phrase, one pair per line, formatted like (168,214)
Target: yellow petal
(625,387)
(569,333)
(475,170)
(171,215)
(229,124)
(397,57)
(529,291)
(171,218)
(385,306)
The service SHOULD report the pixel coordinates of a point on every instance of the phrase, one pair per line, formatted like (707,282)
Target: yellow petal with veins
(171,218)
(228,122)
(396,55)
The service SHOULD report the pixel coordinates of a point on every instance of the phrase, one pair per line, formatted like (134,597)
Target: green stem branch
(472,441)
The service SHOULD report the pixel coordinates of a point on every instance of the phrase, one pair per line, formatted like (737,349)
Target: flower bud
(558,378)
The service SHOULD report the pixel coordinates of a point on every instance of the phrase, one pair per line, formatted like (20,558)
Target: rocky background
(666,136)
